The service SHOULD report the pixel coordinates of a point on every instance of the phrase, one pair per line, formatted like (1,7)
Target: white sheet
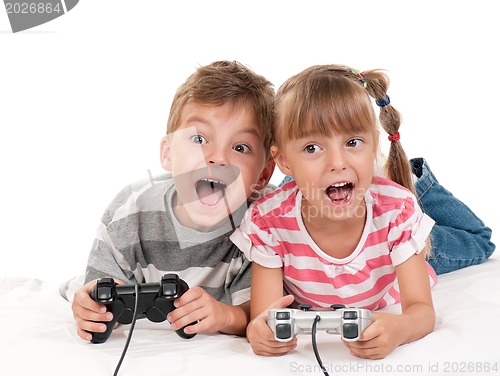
(38,337)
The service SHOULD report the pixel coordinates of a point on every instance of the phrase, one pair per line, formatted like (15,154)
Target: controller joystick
(154,302)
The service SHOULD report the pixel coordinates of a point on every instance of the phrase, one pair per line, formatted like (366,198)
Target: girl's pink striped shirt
(273,235)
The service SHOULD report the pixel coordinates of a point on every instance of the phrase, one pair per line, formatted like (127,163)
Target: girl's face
(332,172)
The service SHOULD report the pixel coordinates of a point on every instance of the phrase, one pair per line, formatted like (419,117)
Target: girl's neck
(336,237)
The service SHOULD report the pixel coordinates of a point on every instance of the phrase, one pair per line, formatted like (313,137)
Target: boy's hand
(380,338)
(196,305)
(261,337)
(86,311)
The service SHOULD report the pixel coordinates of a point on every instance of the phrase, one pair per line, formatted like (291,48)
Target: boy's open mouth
(210,191)
(340,193)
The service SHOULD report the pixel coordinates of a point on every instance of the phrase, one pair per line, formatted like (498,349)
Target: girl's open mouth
(340,193)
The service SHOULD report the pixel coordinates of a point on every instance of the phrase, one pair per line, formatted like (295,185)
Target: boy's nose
(213,162)
(217,156)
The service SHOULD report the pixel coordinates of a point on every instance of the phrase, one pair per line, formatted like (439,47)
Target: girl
(338,234)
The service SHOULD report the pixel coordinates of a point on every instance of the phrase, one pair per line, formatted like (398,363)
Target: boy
(217,154)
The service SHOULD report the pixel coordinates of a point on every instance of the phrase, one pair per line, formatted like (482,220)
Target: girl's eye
(198,139)
(354,142)
(242,148)
(311,148)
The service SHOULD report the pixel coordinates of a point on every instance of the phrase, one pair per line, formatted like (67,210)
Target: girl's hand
(261,337)
(380,338)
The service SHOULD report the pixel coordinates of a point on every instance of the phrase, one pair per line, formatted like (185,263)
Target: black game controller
(155,301)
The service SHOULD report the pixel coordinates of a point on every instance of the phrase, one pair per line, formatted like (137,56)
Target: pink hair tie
(394,137)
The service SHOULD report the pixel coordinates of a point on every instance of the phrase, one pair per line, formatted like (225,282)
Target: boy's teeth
(211,181)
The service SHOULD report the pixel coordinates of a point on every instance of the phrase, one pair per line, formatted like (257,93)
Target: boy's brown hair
(227,82)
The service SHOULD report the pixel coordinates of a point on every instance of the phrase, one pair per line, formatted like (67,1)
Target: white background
(84,99)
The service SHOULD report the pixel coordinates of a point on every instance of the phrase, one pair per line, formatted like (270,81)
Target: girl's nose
(337,160)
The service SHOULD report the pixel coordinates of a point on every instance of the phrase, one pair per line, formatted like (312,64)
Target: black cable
(229,214)
(129,337)
(315,347)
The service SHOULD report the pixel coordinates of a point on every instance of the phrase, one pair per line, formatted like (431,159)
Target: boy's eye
(354,142)
(198,139)
(242,148)
(311,148)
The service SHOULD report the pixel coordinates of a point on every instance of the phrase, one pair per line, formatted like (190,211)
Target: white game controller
(348,322)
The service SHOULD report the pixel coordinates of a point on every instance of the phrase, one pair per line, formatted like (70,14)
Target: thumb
(282,302)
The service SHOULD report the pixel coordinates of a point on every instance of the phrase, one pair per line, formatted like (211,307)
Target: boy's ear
(280,161)
(265,175)
(165,154)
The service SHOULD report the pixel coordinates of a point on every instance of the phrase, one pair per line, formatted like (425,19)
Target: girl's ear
(280,160)
(166,154)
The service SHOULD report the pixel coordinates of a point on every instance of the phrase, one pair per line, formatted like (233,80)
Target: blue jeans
(459,238)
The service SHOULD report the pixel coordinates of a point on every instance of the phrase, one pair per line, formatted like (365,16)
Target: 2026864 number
(471,367)
(32,8)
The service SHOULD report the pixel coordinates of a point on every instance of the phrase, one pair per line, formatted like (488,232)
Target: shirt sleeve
(409,231)
(239,287)
(256,241)
(106,261)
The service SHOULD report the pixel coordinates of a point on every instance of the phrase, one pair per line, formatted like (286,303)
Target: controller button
(126,316)
(282,315)
(337,306)
(155,315)
(169,289)
(350,330)
(283,331)
(350,315)
(305,307)
(104,293)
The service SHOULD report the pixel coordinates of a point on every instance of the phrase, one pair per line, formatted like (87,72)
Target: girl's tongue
(340,193)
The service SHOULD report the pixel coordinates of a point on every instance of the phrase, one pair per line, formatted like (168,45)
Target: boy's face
(217,160)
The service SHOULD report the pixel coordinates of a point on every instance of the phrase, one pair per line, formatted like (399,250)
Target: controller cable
(129,337)
(315,347)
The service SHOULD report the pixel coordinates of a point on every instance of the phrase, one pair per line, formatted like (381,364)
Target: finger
(282,302)
(90,326)
(369,344)
(190,295)
(197,316)
(185,314)
(370,333)
(274,348)
(193,327)
(368,353)
(84,334)
(91,315)
(84,300)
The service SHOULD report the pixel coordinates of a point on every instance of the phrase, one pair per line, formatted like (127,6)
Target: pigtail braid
(397,166)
